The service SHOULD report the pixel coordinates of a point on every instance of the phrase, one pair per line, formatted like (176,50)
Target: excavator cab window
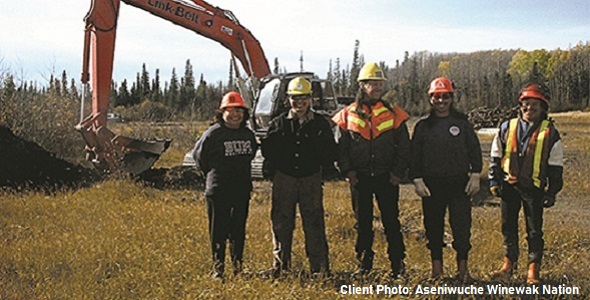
(316,96)
(329,101)
(263,111)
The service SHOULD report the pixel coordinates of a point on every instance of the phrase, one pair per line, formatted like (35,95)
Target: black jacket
(443,147)
(299,150)
(387,153)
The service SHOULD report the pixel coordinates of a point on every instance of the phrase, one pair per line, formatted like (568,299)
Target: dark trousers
(531,201)
(307,192)
(387,196)
(227,222)
(447,193)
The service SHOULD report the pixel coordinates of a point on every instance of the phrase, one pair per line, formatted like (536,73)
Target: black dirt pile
(25,165)
(172,178)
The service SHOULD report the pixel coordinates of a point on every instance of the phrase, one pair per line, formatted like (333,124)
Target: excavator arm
(109,151)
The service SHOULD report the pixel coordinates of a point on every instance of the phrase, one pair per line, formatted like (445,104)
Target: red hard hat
(441,85)
(535,91)
(232,99)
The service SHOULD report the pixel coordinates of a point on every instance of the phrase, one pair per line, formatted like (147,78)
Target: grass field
(121,240)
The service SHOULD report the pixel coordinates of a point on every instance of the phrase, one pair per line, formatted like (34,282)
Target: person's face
(300,103)
(531,109)
(233,116)
(441,103)
(373,88)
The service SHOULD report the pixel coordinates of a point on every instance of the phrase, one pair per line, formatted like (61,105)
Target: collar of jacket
(306,118)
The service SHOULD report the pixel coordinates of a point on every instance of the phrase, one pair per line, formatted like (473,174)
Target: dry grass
(121,240)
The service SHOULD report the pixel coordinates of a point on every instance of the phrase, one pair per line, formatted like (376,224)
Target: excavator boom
(109,151)
(215,23)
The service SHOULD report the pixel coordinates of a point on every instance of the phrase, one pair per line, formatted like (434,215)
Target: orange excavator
(110,152)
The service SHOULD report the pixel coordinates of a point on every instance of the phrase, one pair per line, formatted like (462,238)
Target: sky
(39,37)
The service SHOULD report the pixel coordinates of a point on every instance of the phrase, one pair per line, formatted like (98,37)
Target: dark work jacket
(224,155)
(444,147)
(299,150)
(387,153)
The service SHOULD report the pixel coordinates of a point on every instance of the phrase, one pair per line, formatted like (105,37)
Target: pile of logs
(484,117)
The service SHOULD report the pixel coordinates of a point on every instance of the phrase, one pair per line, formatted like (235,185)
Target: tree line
(484,78)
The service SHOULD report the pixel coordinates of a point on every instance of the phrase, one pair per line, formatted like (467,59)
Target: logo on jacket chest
(233,148)
(455,130)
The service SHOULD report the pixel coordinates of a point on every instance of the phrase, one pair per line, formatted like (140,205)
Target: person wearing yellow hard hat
(374,155)
(446,166)
(224,153)
(526,170)
(299,145)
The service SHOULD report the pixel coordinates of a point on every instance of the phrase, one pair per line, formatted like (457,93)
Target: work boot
(437,269)
(506,270)
(237,264)
(533,273)
(362,271)
(365,265)
(463,271)
(218,269)
(398,269)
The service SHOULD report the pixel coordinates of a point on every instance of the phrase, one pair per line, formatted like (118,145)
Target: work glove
(472,185)
(421,188)
(351,178)
(394,180)
(548,200)
(496,191)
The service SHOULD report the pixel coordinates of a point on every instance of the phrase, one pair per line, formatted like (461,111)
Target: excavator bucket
(114,153)
(140,155)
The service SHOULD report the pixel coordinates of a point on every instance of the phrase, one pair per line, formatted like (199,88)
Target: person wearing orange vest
(224,153)
(526,170)
(374,149)
(446,166)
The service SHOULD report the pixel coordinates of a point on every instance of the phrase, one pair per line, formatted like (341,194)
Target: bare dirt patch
(24,164)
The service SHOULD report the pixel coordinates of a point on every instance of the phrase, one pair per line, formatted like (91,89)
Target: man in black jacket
(374,149)
(299,144)
(445,168)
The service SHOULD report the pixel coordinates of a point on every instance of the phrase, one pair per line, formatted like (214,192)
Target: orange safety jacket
(380,120)
(532,172)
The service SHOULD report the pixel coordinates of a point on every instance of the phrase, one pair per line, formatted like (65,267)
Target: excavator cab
(272,101)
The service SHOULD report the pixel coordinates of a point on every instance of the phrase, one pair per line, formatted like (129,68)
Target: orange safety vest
(380,120)
(532,171)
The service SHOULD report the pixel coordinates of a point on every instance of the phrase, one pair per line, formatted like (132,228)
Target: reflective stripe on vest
(532,170)
(354,119)
(385,125)
(378,111)
(511,149)
(543,133)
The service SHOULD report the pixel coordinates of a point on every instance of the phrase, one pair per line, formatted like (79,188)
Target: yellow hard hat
(370,71)
(299,86)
